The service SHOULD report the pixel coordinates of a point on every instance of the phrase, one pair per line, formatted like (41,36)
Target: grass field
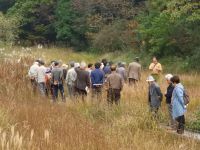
(29,121)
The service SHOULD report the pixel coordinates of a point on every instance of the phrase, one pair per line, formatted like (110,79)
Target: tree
(70,24)
(37,18)
(8,29)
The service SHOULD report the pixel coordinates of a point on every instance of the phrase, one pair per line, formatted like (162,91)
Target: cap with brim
(150,79)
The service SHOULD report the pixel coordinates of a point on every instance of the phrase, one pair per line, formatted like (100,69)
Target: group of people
(80,79)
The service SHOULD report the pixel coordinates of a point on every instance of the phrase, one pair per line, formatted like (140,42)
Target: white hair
(83,64)
(168,77)
(76,65)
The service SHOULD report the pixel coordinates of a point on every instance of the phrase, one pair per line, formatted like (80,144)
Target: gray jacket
(155,95)
(134,71)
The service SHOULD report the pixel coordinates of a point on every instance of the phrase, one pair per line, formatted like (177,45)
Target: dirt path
(187,134)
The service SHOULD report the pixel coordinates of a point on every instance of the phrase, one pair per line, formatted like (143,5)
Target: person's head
(175,79)
(104,61)
(64,66)
(56,64)
(119,64)
(36,63)
(83,65)
(71,64)
(90,65)
(168,78)
(137,59)
(42,63)
(76,65)
(155,60)
(97,65)
(150,79)
(113,68)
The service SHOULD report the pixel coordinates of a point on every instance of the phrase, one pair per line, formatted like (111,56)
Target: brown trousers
(114,96)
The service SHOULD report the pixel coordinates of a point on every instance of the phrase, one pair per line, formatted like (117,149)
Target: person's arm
(151,66)
(92,78)
(139,72)
(67,77)
(88,80)
(180,93)
(159,93)
(122,83)
(128,70)
(159,67)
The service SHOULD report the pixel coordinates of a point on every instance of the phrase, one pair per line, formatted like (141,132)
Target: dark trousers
(34,85)
(114,96)
(181,124)
(132,81)
(80,93)
(57,88)
(97,93)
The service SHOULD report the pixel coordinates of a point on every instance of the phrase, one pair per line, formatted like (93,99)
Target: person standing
(122,71)
(178,105)
(89,68)
(82,83)
(134,72)
(41,78)
(65,69)
(106,67)
(155,68)
(97,79)
(32,73)
(155,96)
(168,96)
(57,80)
(70,80)
(114,85)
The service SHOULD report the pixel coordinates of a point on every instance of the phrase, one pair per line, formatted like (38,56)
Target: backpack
(186,97)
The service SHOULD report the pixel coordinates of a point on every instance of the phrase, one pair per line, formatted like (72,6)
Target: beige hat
(65,66)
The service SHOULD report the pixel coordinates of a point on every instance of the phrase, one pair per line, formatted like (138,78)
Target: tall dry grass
(31,122)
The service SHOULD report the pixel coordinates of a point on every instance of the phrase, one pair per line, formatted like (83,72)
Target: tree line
(162,28)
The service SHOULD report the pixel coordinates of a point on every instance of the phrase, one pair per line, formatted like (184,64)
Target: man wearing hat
(134,71)
(155,95)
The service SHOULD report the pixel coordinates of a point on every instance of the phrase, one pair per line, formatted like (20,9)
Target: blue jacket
(178,106)
(107,70)
(97,77)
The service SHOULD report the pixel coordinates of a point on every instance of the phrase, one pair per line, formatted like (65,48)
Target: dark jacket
(107,70)
(168,95)
(97,77)
(57,76)
(82,80)
(155,95)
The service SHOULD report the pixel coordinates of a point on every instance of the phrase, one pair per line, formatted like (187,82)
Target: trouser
(57,88)
(42,88)
(97,93)
(71,90)
(132,81)
(171,120)
(181,124)
(154,112)
(34,85)
(114,96)
(80,93)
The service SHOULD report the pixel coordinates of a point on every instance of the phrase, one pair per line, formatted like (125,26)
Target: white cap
(150,79)
(168,77)
(76,65)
